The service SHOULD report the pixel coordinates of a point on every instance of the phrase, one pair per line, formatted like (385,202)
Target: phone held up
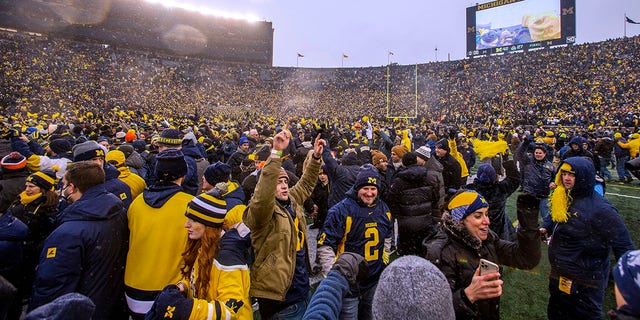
(487,267)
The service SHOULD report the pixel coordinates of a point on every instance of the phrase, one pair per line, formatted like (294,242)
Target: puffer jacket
(86,254)
(537,175)
(272,228)
(412,198)
(457,254)
(579,249)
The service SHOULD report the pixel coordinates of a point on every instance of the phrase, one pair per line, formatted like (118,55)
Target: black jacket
(452,173)
(457,254)
(536,175)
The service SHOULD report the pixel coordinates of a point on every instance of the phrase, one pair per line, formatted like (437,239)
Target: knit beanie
(283,174)
(399,150)
(60,146)
(170,138)
(217,172)
(130,136)
(465,203)
(409,159)
(443,144)
(367,176)
(208,208)
(115,157)
(378,157)
(87,151)
(44,179)
(412,288)
(70,306)
(243,140)
(14,161)
(139,145)
(349,159)
(486,174)
(170,165)
(626,275)
(127,149)
(424,153)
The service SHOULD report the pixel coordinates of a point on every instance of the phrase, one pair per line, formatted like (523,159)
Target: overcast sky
(366,30)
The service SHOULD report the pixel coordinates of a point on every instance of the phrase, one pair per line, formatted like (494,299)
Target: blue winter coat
(580,248)
(326,302)
(12,233)
(86,253)
(117,186)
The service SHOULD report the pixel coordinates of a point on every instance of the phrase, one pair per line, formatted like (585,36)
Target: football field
(525,293)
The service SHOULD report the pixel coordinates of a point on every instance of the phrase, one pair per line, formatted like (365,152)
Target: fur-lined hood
(457,230)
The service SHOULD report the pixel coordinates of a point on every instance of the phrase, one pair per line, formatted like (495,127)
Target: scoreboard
(505,26)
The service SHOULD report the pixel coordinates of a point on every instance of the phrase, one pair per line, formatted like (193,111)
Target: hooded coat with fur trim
(457,254)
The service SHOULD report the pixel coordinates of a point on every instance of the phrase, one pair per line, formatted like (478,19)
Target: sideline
(620,195)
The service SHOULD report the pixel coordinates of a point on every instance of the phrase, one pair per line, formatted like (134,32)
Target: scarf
(26,199)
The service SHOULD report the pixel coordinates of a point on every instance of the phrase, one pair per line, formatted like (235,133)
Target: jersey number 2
(370,251)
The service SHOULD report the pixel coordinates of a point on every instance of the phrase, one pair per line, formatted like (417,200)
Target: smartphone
(487,267)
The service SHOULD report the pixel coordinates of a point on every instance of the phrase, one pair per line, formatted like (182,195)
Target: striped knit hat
(170,137)
(208,208)
(45,179)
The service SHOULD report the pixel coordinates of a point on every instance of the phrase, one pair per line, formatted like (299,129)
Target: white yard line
(621,195)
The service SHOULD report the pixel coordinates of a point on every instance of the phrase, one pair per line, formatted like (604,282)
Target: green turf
(525,293)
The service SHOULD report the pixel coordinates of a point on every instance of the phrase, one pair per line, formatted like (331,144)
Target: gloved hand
(170,304)
(527,206)
(528,138)
(352,266)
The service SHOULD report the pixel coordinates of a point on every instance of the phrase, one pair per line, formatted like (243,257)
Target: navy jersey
(351,227)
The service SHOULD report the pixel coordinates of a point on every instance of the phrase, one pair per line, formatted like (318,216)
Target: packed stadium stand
(577,85)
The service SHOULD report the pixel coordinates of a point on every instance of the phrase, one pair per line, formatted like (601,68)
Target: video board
(504,26)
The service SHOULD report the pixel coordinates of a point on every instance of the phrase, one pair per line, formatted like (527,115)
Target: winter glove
(170,304)
(352,266)
(528,138)
(510,168)
(527,207)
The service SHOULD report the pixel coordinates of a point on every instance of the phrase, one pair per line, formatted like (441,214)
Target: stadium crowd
(246,152)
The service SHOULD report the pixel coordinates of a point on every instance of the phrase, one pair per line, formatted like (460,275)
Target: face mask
(65,197)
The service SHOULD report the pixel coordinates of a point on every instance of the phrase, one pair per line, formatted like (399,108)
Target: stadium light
(208,11)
